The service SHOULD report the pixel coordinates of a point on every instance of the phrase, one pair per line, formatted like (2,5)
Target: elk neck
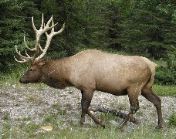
(55,73)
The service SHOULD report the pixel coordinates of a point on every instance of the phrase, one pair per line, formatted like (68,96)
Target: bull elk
(91,70)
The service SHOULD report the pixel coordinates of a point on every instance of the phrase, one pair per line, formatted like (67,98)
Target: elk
(91,70)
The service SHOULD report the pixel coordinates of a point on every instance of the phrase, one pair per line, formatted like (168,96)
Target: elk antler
(49,37)
(38,33)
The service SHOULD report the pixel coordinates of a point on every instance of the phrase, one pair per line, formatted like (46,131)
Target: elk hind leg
(153,98)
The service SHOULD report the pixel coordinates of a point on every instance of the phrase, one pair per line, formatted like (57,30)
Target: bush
(165,76)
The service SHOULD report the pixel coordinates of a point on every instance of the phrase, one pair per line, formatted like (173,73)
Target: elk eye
(31,70)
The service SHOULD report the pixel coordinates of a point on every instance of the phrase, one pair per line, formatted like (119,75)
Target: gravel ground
(32,103)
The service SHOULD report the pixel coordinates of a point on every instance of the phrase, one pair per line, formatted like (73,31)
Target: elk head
(33,74)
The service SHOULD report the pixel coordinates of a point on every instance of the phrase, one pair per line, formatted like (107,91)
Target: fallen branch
(116,113)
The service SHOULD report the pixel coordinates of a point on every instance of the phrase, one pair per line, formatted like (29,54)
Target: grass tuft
(172,120)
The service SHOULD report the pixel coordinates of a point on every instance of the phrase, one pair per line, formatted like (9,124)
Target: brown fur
(92,70)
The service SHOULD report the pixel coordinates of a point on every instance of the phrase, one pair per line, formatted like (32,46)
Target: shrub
(167,74)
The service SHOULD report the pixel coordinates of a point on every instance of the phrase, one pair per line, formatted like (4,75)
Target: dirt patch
(29,103)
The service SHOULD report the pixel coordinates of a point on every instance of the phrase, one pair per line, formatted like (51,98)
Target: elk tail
(152,67)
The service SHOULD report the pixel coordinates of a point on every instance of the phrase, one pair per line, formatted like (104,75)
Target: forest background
(133,27)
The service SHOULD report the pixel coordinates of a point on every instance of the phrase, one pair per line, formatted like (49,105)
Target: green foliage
(172,120)
(14,22)
(12,75)
(167,74)
(147,30)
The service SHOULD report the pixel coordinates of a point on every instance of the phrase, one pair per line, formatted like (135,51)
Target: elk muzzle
(22,80)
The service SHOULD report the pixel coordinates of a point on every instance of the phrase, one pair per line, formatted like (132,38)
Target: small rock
(47,128)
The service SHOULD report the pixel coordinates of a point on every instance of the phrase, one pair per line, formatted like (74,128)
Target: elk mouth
(23,81)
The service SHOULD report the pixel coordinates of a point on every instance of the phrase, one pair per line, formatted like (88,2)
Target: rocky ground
(32,103)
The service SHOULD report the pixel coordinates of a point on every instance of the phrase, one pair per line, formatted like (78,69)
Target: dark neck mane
(55,73)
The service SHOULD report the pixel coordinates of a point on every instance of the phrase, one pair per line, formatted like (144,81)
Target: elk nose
(21,81)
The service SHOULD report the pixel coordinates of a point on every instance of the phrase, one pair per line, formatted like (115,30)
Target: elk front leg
(85,103)
(134,106)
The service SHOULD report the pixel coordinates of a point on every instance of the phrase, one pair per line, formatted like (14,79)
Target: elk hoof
(82,122)
(103,125)
(159,127)
(136,122)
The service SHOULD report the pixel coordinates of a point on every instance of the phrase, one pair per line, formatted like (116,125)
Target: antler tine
(53,25)
(24,58)
(47,27)
(49,21)
(20,61)
(19,53)
(60,31)
(25,43)
(33,25)
(42,24)
(27,54)
(53,33)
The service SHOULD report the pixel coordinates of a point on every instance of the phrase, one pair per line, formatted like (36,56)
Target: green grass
(165,90)
(108,133)
(33,131)
(12,75)
(30,130)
